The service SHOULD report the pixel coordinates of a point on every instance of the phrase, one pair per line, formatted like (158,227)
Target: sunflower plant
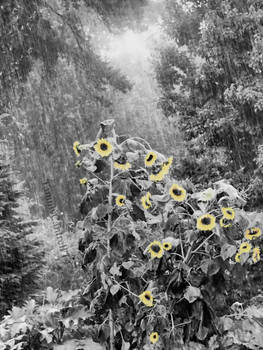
(159,255)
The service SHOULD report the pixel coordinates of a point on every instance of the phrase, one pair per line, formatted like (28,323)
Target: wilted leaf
(227,251)
(192,293)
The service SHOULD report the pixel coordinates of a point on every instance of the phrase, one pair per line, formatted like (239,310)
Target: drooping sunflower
(224,222)
(177,192)
(83,181)
(166,165)
(156,249)
(206,222)
(76,148)
(120,200)
(158,176)
(245,247)
(103,147)
(146,203)
(150,159)
(228,213)
(78,164)
(119,166)
(146,298)
(167,246)
(237,257)
(256,254)
(252,233)
(154,337)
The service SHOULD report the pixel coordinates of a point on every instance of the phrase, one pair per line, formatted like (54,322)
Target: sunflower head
(83,181)
(146,203)
(120,200)
(252,233)
(103,147)
(146,298)
(224,222)
(237,257)
(177,192)
(206,222)
(76,148)
(158,176)
(245,247)
(228,213)
(78,164)
(125,166)
(256,255)
(150,159)
(167,246)
(156,249)
(154,337)
(166,165)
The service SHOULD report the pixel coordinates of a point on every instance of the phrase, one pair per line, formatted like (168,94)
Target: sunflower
(154,337)
(78,164)
(237,257)
(166,165)
(76,148)
(150,159)
(224,222)
(228,213)
(252,233)
(245,247)
(167,246)
(146,203)
(157,177)
(119,166)
(206,222)
(177,192)
(120,200)
(146,298)
(103,147)
(256,254)
(83,181)
(156,249)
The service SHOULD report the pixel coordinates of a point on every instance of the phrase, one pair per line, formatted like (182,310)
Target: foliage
(194,279)
(211,81)
(21,256)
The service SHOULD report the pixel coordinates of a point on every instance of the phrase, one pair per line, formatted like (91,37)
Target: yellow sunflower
(237,257)
(252,233)
(224,222)
(120,200)
(146,203)
(228,213)
(256,254)
(206,222)
(157,177)
(78,164)
(146,298)
(167,246)
(119,166)
(83,181)
(156,249)
(76,148)
(150,159)
(166,165)
(103,147)
(245,247)
(154,337)
(177,192)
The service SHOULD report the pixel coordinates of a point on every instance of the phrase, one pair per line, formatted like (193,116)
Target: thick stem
(111,325)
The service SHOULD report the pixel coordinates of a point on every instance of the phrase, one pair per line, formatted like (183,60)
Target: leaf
(227,251)
(192,293)
(51,295)
(213,267)
(125,346)
(114,289)
(127,264)
(115,270)
(101,211)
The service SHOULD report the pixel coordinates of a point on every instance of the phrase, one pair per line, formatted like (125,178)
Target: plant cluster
(160,255)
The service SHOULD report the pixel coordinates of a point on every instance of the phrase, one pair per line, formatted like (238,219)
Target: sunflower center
(150,157)
(166,245)
(206,221)
(154,336)
(229,212)
(121,200)
(147,296)
(177,192)
(103,147)
(156,170)
(155,248)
